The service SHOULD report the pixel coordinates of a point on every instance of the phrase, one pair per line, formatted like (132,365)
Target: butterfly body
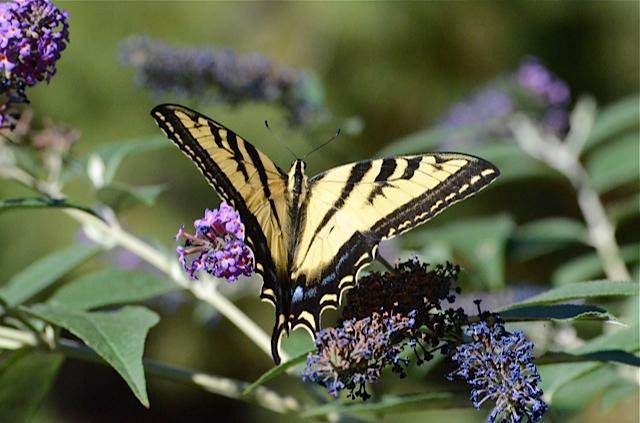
(311,236)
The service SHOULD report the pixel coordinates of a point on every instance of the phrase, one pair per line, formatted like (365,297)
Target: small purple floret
(217,247)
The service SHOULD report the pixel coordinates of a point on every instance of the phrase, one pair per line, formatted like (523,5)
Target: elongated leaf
(615,163)
(581,290)
(118,337)
(113,155)
(619,392)
(589,266)
(109,287)
(425,140)
(42,203)
(553,229)
(606,356)
(624,209)
(25,381)
(276,371)
(546,235)
(44,272)
(513,163)
(555,376)
(614,119)
(121,196)
(389,404)
(556,312)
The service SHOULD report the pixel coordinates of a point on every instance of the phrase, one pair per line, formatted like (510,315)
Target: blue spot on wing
(297,294)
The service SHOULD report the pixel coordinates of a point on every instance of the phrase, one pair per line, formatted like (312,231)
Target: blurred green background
(397,65)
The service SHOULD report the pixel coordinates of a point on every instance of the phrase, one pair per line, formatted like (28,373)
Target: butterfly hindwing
(244,177)
(351,208)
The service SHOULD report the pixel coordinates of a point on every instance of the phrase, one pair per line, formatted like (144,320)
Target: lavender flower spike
(33,33)
(499,367)
(218,246)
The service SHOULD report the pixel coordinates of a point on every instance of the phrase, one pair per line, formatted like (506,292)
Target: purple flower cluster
(499,367)
(532,89)
(487,105)
(219,246)
(354,353)
(220,75)
(551,93)
(386,314)
(33,33)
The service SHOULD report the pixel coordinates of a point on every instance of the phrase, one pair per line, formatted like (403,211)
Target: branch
(11,338)
(205,290)
(110,234)
(563,157)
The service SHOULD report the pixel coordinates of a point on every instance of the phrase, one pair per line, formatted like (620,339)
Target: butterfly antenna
(266,123)
(323,144)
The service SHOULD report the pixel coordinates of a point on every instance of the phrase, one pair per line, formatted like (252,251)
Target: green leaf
(581,290)
(113,155)
(589,266)
(614,119)
(619,392)
(480,243)
(44,272)
(605,356)
(513,163)
(615,163)
(117,336)
(276,371)
(585,390)
(425,140)
(121,196)
(42,203)
(556,312)
(555,376)
(546,235)
(624,209)
(109,287)
(388,404)
(25,381)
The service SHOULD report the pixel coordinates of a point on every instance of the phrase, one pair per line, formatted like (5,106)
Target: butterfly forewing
(244,177)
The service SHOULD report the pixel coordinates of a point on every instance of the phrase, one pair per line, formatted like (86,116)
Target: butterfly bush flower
(499,367)
(386,315)
(220,75)
(531,88)
(33,33)
(354,354)
(217,246)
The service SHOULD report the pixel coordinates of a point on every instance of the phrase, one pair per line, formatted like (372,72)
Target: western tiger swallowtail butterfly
(311,236)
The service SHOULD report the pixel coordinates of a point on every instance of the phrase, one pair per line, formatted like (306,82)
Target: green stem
(203,290)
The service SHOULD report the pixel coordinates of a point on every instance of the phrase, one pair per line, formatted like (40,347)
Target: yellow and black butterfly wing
(244,177)
(351,208)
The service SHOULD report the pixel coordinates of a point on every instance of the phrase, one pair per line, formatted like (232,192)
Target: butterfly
(311,236)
